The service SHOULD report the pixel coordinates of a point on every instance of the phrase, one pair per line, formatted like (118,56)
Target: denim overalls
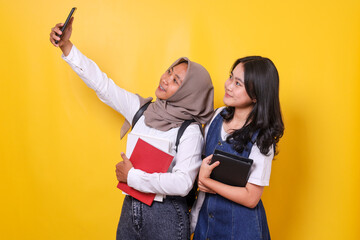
(220,218)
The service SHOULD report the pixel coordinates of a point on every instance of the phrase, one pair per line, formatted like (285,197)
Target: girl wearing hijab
(249,126)
(185,92)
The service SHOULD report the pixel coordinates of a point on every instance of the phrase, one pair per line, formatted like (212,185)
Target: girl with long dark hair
(250,126)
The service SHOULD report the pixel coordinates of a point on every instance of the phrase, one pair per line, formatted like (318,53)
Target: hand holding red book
(149,159)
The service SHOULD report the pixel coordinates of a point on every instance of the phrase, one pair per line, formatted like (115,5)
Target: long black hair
(262,84)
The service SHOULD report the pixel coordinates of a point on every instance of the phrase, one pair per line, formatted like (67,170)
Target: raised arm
(119,99)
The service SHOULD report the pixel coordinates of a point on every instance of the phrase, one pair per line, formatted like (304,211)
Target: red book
(149,159)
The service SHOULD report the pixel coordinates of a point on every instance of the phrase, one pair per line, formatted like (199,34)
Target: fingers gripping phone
(72,12)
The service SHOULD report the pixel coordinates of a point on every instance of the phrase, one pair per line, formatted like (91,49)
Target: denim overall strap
(213,137)
(220,218)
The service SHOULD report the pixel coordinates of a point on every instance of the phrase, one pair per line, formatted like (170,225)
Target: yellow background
(60,144)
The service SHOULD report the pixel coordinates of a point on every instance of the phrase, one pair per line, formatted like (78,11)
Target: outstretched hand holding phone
(63,42)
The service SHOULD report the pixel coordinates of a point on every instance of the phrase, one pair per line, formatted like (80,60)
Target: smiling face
(170,81)
(235,92)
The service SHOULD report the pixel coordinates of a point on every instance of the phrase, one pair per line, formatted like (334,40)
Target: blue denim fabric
(162,220)
(220,218)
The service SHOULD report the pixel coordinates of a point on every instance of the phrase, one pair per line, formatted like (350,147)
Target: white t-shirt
(184,168)
(259,172)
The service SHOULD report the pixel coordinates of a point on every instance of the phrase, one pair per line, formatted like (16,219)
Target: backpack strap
(181,131)
(139,113)
(192,195)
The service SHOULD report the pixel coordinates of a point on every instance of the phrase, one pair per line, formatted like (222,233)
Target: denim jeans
(162,220)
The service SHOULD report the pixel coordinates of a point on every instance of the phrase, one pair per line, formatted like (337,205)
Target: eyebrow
(239,80)
(236,78)
(177,76)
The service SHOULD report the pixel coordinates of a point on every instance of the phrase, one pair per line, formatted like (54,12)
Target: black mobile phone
(72,12)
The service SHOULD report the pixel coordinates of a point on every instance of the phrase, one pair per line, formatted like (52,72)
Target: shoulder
(256,154)
(217,112)
(193,130)
(192,137)
(191,142)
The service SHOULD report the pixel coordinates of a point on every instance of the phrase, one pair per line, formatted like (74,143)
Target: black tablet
(233,169)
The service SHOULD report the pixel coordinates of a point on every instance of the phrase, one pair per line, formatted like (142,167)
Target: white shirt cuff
(70,56)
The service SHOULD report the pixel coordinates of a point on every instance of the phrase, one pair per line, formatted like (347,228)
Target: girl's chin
(159,96)
(226,101)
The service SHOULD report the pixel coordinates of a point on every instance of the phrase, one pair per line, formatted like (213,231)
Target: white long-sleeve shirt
(187,160)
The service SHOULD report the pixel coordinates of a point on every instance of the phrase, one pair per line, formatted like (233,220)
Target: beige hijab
(193,100)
